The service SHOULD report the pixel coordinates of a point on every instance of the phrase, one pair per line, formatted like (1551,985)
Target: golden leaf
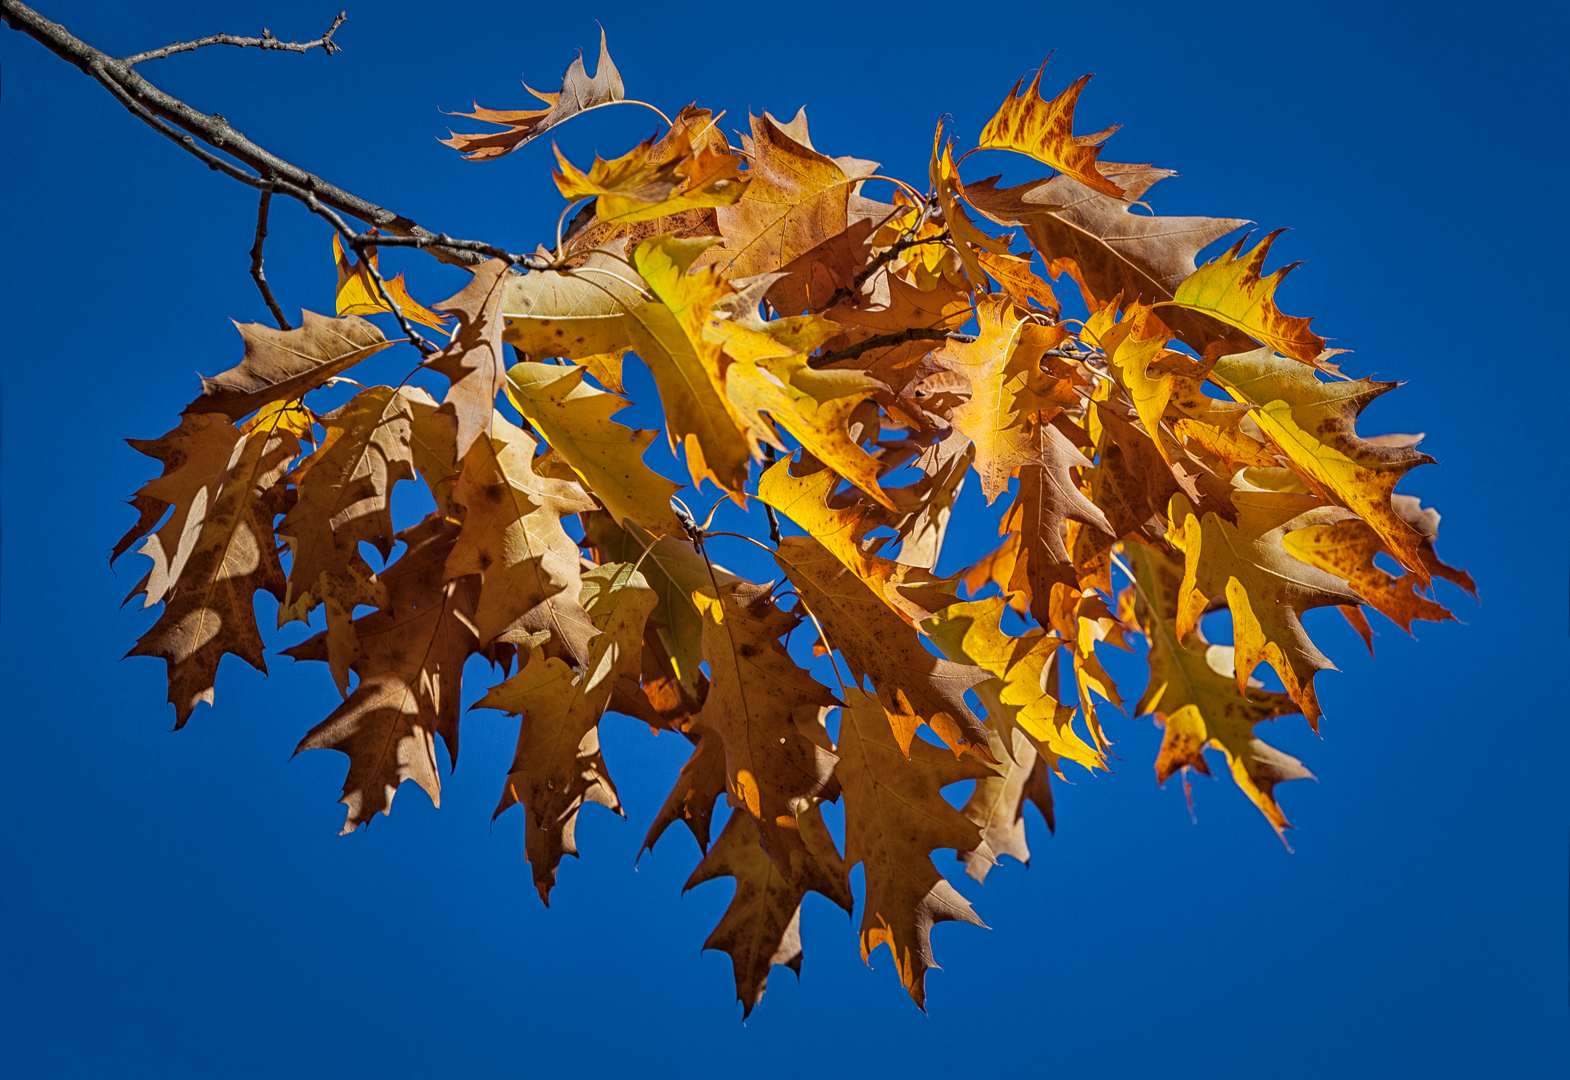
(1028,124)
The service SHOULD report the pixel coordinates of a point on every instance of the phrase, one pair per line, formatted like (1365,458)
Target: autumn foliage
(843,365)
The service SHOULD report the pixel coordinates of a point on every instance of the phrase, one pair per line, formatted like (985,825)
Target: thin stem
(256,258)
(360,242)
(883,341)
(266,41)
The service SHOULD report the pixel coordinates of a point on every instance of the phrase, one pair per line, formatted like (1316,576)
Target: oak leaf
(1028,124)
(796,198)
(914,686)
(1196,695)
(410,667)
(1229,288)
(578,93)
(472,362)
(1267,589)
(1347,549)
(575,420)
(512,537)
(284,365)
(1314,424)
(997,805)
(762,925)
(223,552)
(895,817)
(357,293)
(764,707)
(557,766)
(691,801)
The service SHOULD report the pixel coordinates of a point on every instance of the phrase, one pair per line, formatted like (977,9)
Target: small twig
(768,510)
(359,242)
(256,258)
(884,257)
(883,341)
(266,41)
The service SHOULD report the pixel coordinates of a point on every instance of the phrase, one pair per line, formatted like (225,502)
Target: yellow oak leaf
(1014,277)
(1230,288)
(577,313)
(1008,390)
(557,766)
(643,185)
(1195,694)
(1266,588)
(357,293)
(1313,423)
(575,420)
(1016,696)
(895,817)
(967,238)
(1028,124)
(688,367)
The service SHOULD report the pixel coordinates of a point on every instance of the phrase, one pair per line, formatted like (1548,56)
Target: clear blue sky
(178,904)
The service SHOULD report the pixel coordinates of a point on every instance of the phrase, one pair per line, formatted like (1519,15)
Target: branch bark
(171,116)
(266,41)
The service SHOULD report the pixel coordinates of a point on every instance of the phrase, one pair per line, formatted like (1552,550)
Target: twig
(266,41)
(768,510)
(359,242)
(256,258)
(165,114)
(884,257)
(883,341)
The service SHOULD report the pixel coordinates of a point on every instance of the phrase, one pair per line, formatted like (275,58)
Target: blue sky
(178,904)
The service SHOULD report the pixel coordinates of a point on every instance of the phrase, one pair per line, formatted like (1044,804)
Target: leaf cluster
(850,364)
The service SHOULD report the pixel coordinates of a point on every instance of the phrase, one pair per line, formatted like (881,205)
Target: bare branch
(359,242)
(166,114)
(256,258)
(266,41)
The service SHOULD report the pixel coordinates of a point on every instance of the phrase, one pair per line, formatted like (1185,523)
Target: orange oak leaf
(1347,549)
(578,93)
(895,817)
(1008,389)
(796,199)
(1028,124)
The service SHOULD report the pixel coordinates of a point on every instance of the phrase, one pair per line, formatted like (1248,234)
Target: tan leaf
(473,362)
(283,365)
(557,766)
(895,817)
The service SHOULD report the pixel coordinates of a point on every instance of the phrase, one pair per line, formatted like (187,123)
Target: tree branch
(883,341)
(170,117)
(256,258)
(884,257)
(266,41)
